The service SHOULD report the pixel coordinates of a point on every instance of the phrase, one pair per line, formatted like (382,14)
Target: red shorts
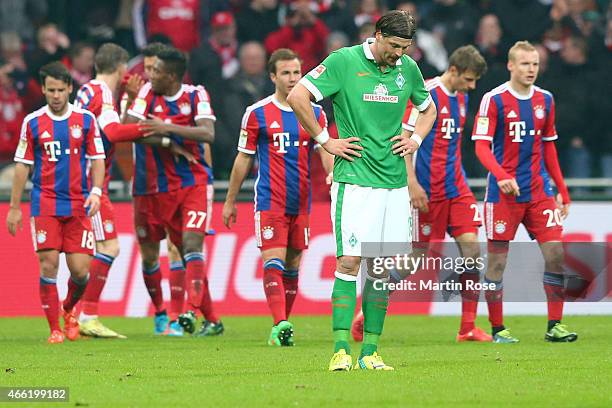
(147,219)
(183,210)
(103,222)
(542,219)
(64,234)
(456,216)
(274,230)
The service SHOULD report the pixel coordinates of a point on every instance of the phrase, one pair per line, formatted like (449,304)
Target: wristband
(165,142)
(96,191)
(322,137)
(418,139)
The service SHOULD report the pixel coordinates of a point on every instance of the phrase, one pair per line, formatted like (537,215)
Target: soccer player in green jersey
(370,85)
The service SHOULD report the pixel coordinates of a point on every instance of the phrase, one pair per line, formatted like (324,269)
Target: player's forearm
(299,100)
(201,134)
(410,172)
(327,160)
(116,132)
(425,121)
(551,161)
(242,166)
(19,181)
(97,173)
(486,157)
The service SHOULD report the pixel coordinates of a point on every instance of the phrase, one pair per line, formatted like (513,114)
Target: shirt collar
(368,52)
(175,96)
(63,117)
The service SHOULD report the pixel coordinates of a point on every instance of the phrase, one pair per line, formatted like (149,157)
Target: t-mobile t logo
(53,150)
(517,131)
(281,140)
(448,128)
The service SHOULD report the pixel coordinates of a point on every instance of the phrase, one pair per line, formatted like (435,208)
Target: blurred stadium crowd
(228,42)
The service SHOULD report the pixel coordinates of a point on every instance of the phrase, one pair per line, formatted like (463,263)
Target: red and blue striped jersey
(58,148)
(518,126)
(437,163)
(155,169)
(283,149)
(96,97)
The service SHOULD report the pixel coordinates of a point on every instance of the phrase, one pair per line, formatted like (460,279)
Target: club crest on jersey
(76,131)
(316,73)
(185,109)
(426,229)
(108,226)
(539,111)
(41,236)
(267,232)
(400,81)
(381,94)
(500,227)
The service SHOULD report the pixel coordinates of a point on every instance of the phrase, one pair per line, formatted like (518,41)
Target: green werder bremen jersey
(369,104)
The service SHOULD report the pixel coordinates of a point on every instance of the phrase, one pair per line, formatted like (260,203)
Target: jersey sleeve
(550,130)
(420,95)
(93,142)
(25,148)
(486,120)
(249,131)
(410,117)
(84,98)
(139,107)
(327,78)
(203,110)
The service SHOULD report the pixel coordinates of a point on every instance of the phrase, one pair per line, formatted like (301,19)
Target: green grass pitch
(239,369)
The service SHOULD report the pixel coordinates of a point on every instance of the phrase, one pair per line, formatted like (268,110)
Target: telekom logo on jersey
(518,131)
(54,149)
(282,140)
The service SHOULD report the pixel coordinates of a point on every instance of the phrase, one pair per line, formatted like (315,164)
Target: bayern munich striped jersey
(58,148)
(518,126)
(96,97)
(438,165)
(155,169)
(283,150)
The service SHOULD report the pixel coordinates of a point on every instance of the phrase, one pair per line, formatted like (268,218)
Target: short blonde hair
(522,46)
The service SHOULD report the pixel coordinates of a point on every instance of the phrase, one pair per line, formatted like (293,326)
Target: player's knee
(48,268)
(553,258)
(149,254)
(348,265)
(109,247)
(193,242)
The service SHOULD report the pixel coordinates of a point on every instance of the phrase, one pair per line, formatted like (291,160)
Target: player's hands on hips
(418,196)
(564,208)
(178,151)
(509,186)
(229,214)
(13,220)
(93,202)
(404,145)
(344,148)
(154,126)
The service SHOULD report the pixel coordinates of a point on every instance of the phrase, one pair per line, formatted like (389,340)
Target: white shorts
(366,218)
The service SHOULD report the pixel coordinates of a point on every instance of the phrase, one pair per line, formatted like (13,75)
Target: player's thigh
(174,255)
(464,216)
(108,247)
(274,253)
(502,219)
(271,230)
(78,264)
(78,236)
(103,222)
(397,222)
(299,231)
(48,261)
(543,221)
(553,254)
(357,215)
(147,219)
(468,244)
(47,233)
